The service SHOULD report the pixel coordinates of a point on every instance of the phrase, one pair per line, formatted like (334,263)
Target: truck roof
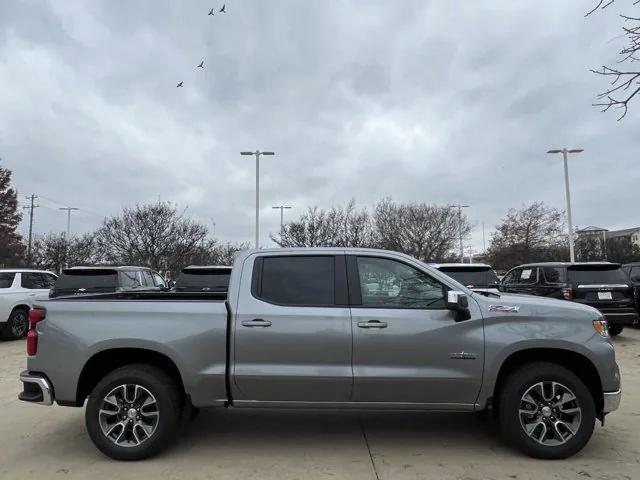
(461,266)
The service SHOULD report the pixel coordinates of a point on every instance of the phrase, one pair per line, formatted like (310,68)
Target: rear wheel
(17,324)
(615,330)
(546,411)
(134,412)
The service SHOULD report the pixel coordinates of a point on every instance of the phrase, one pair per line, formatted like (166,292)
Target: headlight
(601,326)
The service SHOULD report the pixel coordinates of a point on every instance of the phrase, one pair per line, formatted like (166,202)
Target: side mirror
(458,303)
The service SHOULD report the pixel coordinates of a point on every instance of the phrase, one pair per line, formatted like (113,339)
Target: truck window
(528,276)
(391,284)
(6,279)
(298,280)
(552,274)
(596,274)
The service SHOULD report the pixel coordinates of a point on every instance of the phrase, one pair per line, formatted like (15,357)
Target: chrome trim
(611,401)
(612,285)
(45,388)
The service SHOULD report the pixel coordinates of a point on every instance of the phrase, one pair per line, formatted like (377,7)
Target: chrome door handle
(372,324)
(256,322)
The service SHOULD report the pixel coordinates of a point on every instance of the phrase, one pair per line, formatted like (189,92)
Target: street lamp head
(247,153)
(267,153)
(576,150)
(555,151)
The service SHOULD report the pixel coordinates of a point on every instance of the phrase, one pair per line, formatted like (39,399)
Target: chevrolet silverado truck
(323,328)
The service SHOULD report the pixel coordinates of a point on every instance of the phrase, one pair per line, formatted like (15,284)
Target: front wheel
(615,330)
(546,411)
(134,412)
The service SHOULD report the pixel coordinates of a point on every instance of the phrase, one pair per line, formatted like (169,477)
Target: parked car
(479,277)
(297,329)
(633,272)
(602,285)
(207,278)
(18,289)
(86,280)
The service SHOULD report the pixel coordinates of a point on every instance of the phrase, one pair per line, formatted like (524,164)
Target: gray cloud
(428,101)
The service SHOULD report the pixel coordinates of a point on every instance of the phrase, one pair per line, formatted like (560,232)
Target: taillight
(567,291)
(36,314)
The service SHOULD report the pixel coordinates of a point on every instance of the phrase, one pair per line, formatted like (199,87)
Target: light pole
(257,153)
(69,210)
(282,209)
(460,207)
(565,153)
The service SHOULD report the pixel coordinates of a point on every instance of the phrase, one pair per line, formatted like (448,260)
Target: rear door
(407,347)
(292,330)
(37,284)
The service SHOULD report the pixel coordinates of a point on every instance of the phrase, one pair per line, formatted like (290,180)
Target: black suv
(601,285)
(84,280)
(208,278)
(633,272)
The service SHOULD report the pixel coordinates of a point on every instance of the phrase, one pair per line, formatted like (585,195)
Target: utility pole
(257,153)
(69,210)
(565,153)
(484,244)
(30,207)
(460,207)
(282,209)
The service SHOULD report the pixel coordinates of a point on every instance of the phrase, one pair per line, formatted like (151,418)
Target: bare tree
(427,232)
(533,233)
(624,79)
(55,251)
(336,227)
(155,235)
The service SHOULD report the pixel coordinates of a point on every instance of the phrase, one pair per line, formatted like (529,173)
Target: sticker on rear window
(504,308)
(526,274)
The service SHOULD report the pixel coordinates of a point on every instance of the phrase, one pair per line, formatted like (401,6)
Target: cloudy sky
(430,101)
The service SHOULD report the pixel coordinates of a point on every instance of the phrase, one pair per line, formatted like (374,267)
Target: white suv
(18,289)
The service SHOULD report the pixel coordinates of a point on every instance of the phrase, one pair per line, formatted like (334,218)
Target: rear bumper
(611,401)
(35,389)
(626,316)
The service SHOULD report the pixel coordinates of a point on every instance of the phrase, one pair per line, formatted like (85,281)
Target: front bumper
(611,401)
(35,389)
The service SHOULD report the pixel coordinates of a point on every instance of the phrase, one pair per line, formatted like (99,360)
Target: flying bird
(179,85)
(201,64)
(211,12)
(224,8)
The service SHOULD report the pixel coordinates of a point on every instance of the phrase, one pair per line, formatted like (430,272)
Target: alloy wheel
(550,413)
(129,415)
(19,324)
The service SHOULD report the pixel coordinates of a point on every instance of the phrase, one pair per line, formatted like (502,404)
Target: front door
(407,346)
(292,337)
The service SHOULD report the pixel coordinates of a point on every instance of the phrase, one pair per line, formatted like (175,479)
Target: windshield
(605,274)
(472,277)
(87,279)
(209,280)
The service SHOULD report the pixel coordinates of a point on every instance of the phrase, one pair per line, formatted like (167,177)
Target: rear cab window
(6,279)
(204,279)
(90,280)
(296,280)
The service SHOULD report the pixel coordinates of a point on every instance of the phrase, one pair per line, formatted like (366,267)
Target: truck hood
(539,306)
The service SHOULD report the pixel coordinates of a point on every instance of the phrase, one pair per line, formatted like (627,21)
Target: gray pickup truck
(323,328)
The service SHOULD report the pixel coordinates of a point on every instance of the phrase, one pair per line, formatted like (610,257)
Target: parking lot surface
(51,442)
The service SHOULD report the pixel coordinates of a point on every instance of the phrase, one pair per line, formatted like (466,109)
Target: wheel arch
(574,361)
(105,361)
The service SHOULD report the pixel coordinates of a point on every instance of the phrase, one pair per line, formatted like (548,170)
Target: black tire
(615,330)
(169,402)
(17,324)
(513,390)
